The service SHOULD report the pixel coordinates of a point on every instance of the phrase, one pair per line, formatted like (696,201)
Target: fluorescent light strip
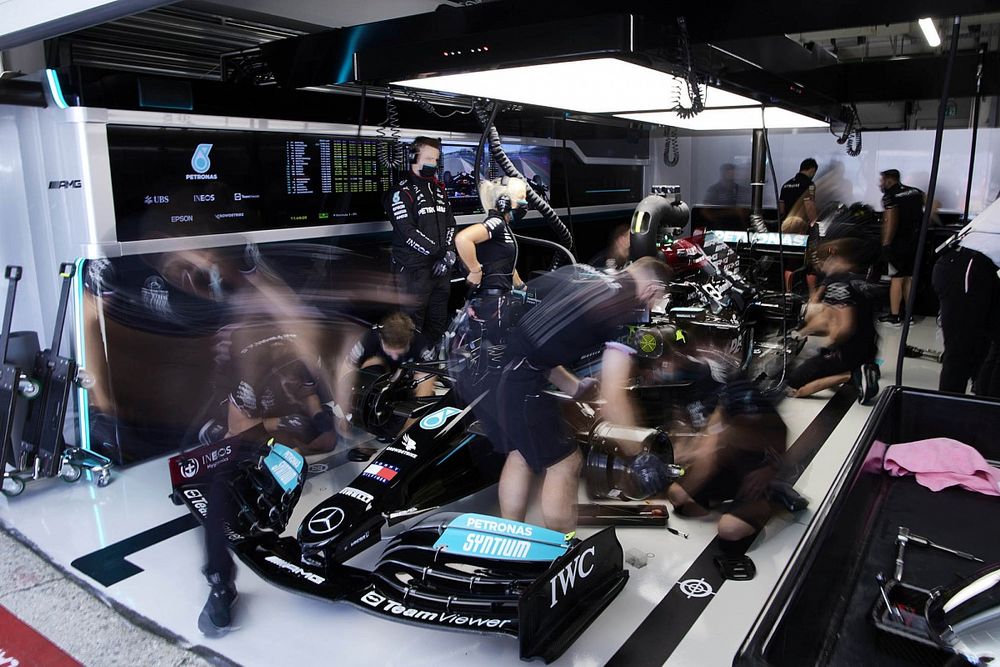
(597,85)
(741,118)
(930,32)
(56,89)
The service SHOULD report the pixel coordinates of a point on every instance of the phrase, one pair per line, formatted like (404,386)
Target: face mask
(428,170)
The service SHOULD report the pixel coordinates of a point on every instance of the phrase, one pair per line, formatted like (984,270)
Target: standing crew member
(797,212)
(798,194)
(580,310)
(423,250)
(904,210)
(966,282)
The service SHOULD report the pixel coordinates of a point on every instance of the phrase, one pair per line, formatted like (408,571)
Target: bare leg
(815,386)
(683,503)
(896,295)
(559,493)
(515,487)
(733,529)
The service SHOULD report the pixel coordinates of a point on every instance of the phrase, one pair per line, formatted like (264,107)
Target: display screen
(458,172)
(171,182)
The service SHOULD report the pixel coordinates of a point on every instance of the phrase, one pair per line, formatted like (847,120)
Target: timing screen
(178,182)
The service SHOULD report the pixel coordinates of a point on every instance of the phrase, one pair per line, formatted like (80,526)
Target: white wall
(842,177)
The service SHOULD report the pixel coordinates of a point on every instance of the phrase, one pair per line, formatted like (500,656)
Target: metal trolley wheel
(13,486)
(70,473)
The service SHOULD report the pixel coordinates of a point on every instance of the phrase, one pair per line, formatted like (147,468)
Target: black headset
(412,152)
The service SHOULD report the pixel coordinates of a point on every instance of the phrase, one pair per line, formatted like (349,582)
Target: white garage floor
(276,627)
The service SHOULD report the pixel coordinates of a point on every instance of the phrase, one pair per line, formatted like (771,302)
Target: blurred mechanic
(423,251)
(966,282)
(842,313)
(384,348)
(614,257)
(580,310)
(904,211)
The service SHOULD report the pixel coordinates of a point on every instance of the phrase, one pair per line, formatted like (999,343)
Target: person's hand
(475,277)
(586,388)
(443,265)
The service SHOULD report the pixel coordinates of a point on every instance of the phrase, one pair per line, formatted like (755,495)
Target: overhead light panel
(930,32)
(742,118)
(597,85)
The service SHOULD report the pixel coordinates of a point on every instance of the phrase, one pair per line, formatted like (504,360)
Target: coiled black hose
(482,142)
(536,200)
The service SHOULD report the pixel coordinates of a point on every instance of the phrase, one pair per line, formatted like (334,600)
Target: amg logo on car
(295,569)
(488,545)
(65,185)
(565,579)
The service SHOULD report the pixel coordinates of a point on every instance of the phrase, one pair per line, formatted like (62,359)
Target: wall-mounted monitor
(458,171)
(170,182)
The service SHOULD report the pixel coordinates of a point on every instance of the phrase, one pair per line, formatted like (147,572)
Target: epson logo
(295,569)
(565,579)
(65,185)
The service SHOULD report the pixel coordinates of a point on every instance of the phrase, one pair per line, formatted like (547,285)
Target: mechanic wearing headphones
(904,210)
(489,252)
(423,239)
(386,346)
(580,310)
(966,282)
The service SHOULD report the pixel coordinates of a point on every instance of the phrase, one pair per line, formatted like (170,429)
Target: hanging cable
(691,84)
(390,150)
(851,135)
(361,111)
(476,168)
(426,105)
(500,157)
(671,147)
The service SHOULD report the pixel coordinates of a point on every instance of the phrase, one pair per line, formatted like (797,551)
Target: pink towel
(942,462)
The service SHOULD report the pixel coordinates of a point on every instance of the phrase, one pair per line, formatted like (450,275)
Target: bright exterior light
(930,32)
(744,118)
(599,85)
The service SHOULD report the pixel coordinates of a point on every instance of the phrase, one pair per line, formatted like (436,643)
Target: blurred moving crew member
(842,313)
(904,210)
(615,256)
(386,346)
(580,310)
(966,282)
(423,239)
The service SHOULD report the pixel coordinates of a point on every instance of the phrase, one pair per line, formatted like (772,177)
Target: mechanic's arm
(465,245)
(809,201)
(564,381)
(404,222)
(616,371)
(518,283)
(841,322)
(890,221)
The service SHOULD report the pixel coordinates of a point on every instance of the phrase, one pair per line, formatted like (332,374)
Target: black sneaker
(867,378)
(217,614)
(892,320)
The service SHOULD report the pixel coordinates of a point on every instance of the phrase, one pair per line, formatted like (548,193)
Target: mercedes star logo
(326,520)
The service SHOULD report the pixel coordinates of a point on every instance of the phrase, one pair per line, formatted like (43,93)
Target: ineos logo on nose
(326,520)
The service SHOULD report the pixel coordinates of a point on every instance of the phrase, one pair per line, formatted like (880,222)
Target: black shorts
(901,260)
(823,365)
(529,419)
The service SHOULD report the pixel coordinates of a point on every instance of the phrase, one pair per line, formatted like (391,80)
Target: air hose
(548,214)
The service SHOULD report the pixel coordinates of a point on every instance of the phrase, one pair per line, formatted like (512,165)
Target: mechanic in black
(904,211)
(580,310)
(798,194)
(423,251)
(384,348)
(842,313)
(968,287)
(797,212)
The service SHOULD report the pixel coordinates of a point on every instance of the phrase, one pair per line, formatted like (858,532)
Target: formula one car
(462,572)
